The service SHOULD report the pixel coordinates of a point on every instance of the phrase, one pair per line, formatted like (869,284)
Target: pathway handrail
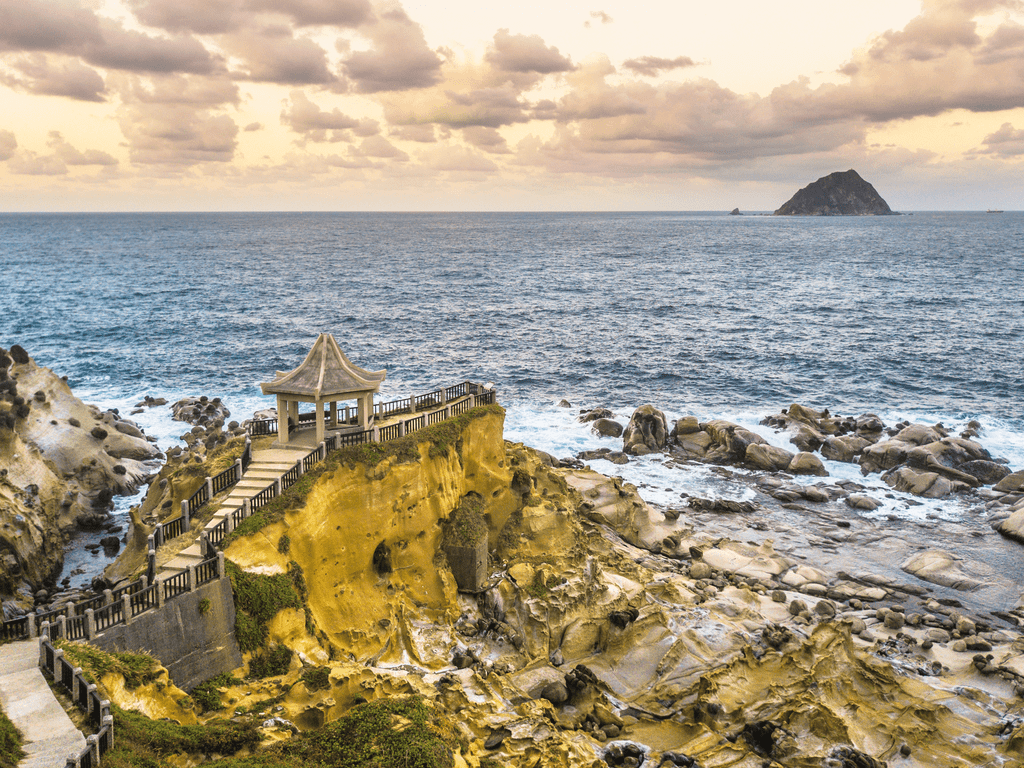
(84,695)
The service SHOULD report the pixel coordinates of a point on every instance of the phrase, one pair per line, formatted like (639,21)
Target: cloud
(40,75)
(33,25)
(1006,142)
(419,133)
(212,17)
(378,146)
(314,124)
(487,139)
(71,156)
(601,16)
(399,60)
(7,145)
(309,13)
(176,120)
(273,55)
(526,53)
(253,127)
(30,164)
(651,66)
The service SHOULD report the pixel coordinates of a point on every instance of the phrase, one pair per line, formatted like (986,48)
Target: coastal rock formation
(838,194)
(611,632)
(62,463)
(647,432)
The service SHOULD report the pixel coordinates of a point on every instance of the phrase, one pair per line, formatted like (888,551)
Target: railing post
(447,412)
(108,596)
(323,450)
(151,542)
(58,654)
(89,706)
(246,508)
(93,743)
(73,761)
(44,634)
(144,581)
(62,626)
(221,570)
(191,578)
(90,624)
(108,723)
(277,487)
(401,427)
(209,488)
(375,435)
(151,564)
(229,524)
(186,523)
(238,469)
(76,681)
(126,608)
(159,593)
(298,467)
(32,633)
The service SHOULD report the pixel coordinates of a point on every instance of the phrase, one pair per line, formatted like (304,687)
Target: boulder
(882,456)
(607,428)
(948,570)
(731,440)
(687,425)
(647,432)
(845,449)
(694,443)
(931,485)
(1012,483)
(1013,526)
(805,463)
(768,457)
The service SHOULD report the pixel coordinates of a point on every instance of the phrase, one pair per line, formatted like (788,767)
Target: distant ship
(992,210)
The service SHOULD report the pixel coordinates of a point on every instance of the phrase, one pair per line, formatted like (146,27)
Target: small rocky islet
(761,632)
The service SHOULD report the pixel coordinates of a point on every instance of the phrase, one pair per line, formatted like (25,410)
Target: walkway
(267,466)
(50,736)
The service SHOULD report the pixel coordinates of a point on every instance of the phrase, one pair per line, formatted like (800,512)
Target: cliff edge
(838,194)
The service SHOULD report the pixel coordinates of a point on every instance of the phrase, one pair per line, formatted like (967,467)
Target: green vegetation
(206,694)
(284,544)
(317,679)
(10,743)
(270,662)
(466,525)
(142,743)
(136,668)
(204,606)
(442,437)
(257,600)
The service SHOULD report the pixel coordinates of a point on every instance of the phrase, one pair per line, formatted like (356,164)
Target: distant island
(838,194)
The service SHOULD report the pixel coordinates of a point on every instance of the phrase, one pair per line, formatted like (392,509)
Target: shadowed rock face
(838,194)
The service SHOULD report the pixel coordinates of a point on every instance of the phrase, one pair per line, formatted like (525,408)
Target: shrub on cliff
(19,355)
(258,598)
(270,662)
(142,743)
(136,668)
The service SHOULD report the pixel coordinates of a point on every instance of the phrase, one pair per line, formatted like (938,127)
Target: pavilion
(325,377)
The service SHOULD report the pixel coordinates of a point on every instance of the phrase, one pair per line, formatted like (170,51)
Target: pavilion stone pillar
(366,410)
(282,420)
(334,414)
(293,411)
(319,421)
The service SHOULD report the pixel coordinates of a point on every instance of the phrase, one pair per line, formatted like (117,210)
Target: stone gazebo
(326,376)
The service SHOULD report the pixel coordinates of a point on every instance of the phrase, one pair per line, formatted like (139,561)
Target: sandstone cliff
(838,194)
(61,462)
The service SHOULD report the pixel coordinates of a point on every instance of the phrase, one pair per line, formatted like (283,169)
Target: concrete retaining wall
(193,646)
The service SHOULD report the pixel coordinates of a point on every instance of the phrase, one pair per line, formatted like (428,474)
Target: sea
(917,317)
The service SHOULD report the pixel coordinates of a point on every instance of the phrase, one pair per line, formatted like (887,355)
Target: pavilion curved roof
(326,372)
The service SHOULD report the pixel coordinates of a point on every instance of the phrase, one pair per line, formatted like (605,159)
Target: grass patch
(442,438)
(258,598)
(136,668)
(206,694)
(388,732)
(143,743)
(317,679)
(270,662)
(466,525)
(10,743)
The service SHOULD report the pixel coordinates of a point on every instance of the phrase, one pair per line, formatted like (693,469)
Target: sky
(430,105)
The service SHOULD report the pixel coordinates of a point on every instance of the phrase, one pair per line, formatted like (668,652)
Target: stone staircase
(267,466)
